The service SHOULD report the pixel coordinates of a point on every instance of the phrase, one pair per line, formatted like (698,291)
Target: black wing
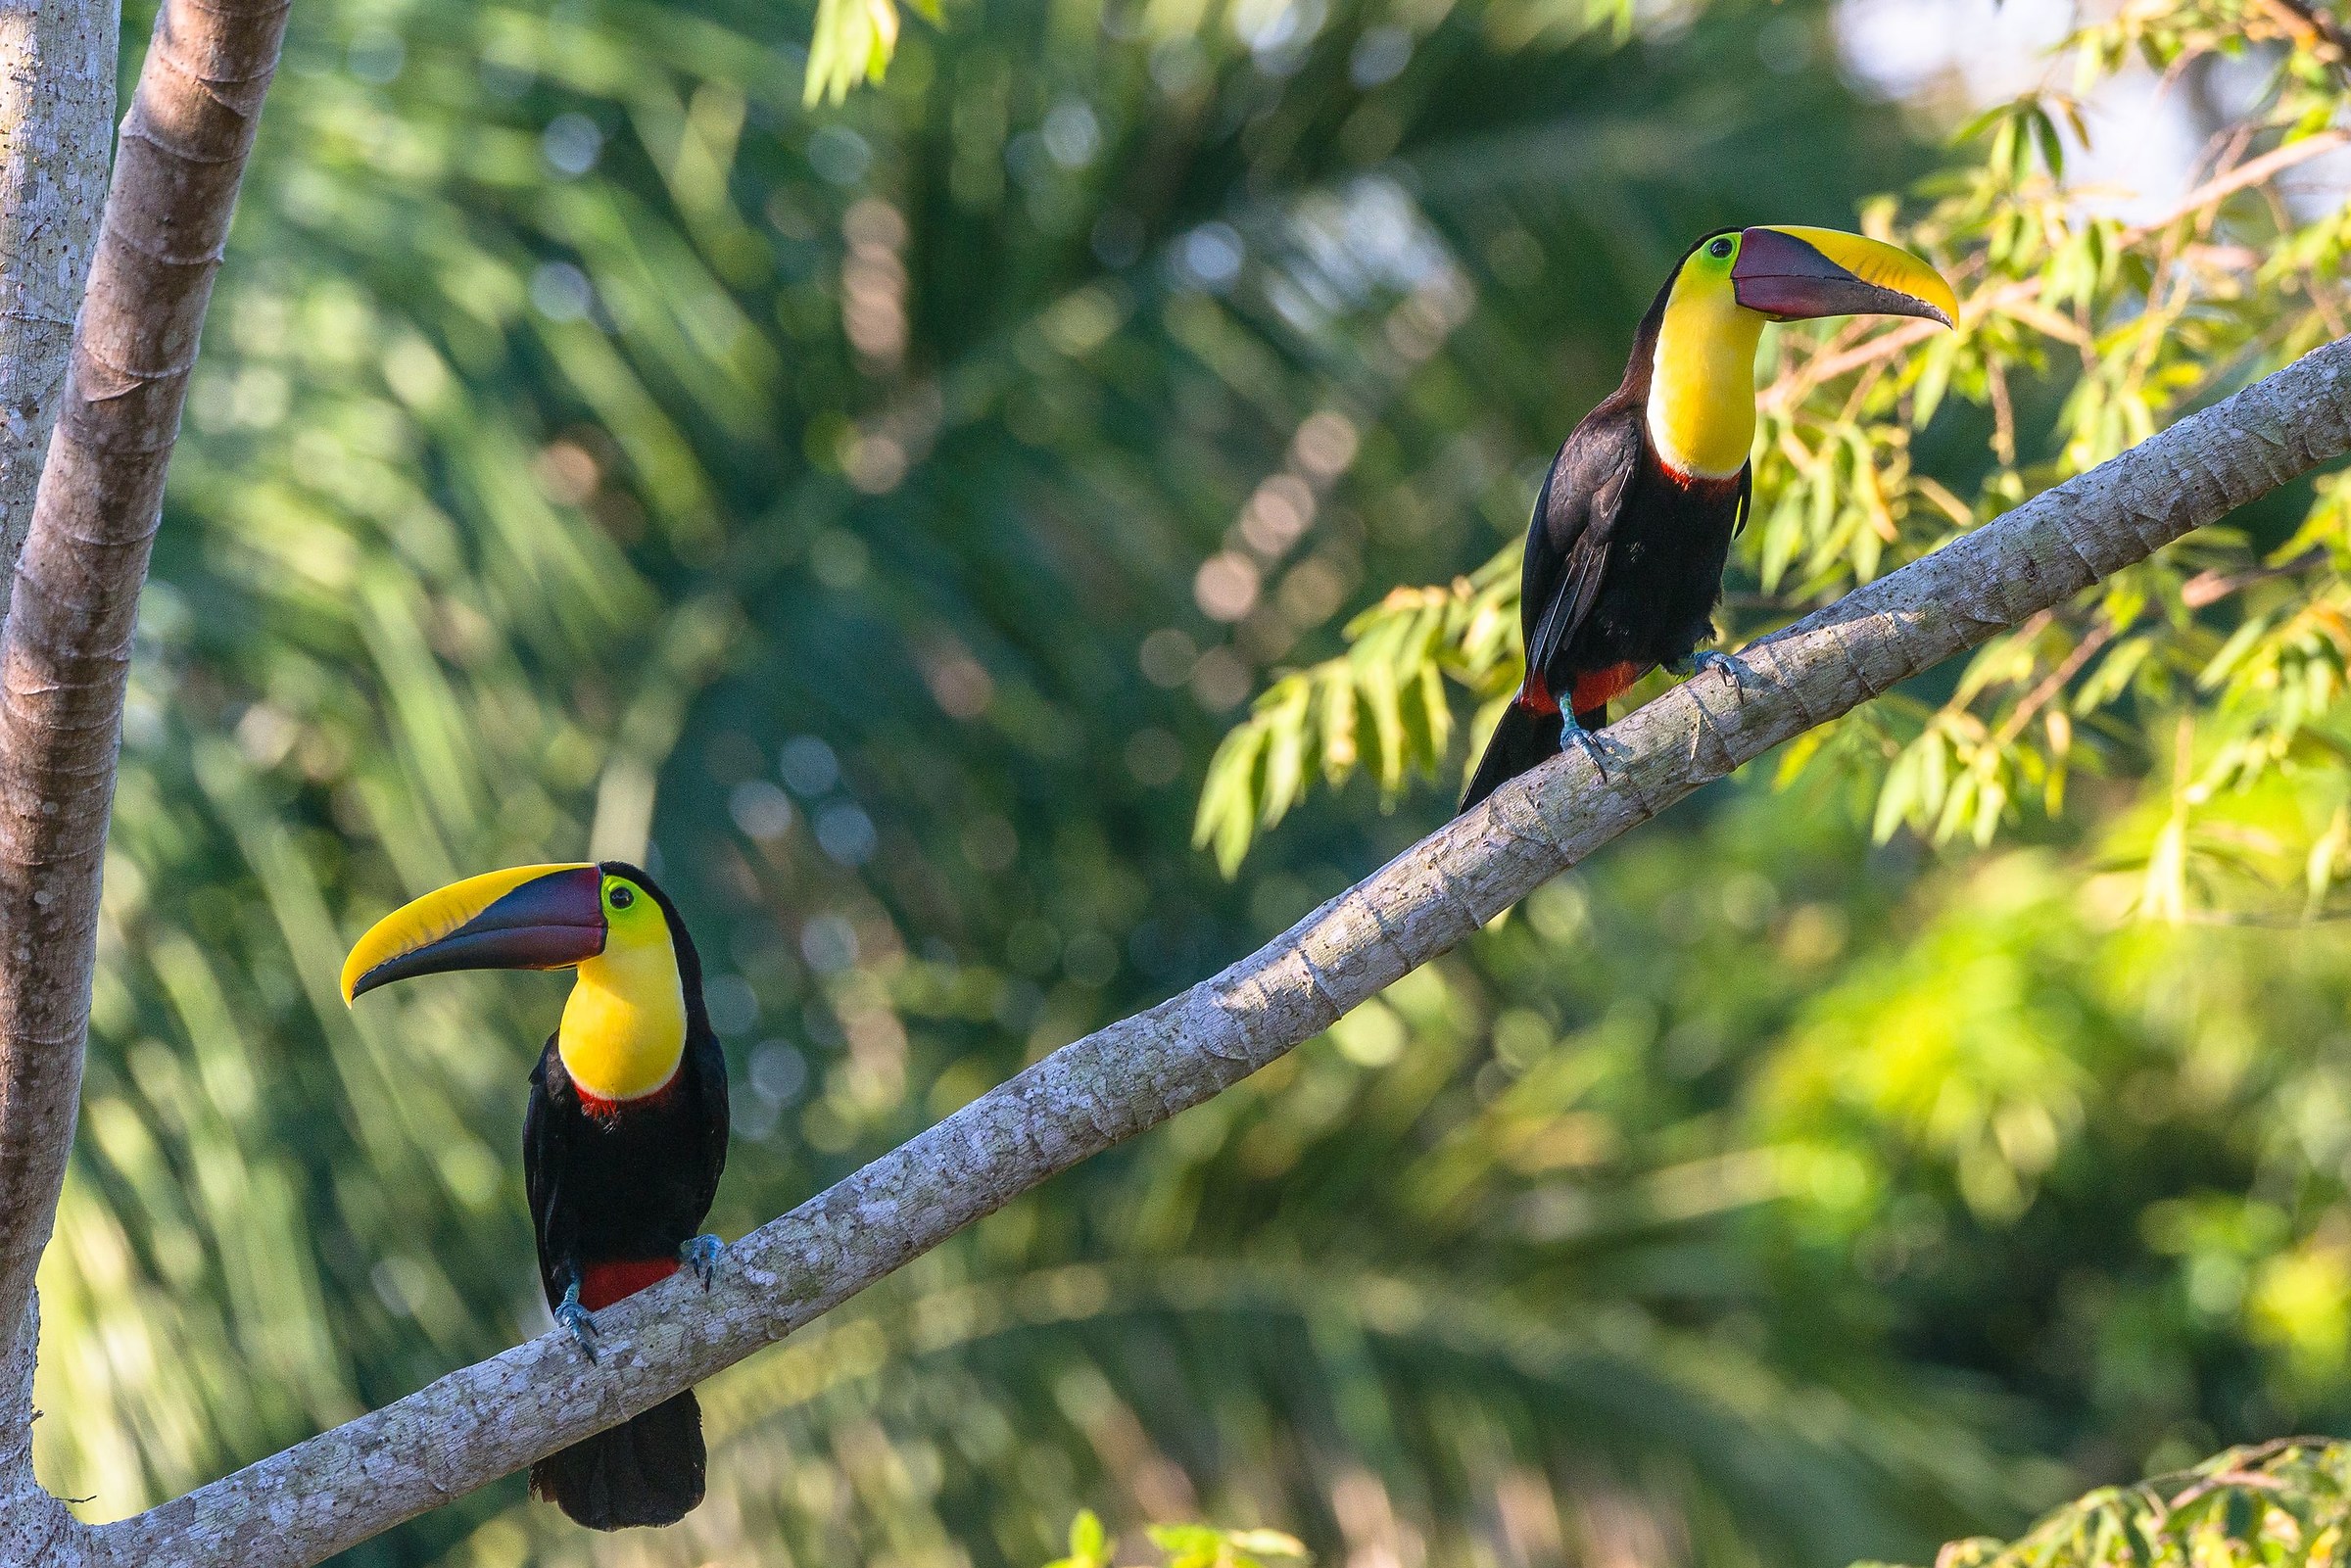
(546,1155)
(708,1065)
(1576,520)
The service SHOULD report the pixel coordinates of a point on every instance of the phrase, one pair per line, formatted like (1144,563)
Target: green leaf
(1227,815)
(1934,377)
(852,39)
(1268,1544)
(2052,147)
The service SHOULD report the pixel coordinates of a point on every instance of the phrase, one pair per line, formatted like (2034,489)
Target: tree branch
(344,1485)
(65,645)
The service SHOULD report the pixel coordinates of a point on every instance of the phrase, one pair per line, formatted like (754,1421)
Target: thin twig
(2053,683)
(2211,587)
(2313,29)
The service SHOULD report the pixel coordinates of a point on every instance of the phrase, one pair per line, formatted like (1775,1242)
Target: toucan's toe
(1596,745)
(1732,669)
(581,1324)
(701,1255)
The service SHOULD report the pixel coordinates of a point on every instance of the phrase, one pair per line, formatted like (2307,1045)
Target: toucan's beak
(528,918)
(1793,274)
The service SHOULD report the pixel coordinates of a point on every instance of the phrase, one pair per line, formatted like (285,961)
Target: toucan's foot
(1732,670)
(1596,745)
(701,1255)
(577,1320)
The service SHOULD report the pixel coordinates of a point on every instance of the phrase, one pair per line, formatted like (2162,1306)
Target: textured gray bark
(56,121)
(64,647)
(475,1425)
(57,110)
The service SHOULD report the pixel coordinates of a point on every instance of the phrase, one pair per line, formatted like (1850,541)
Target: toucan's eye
(1720,248)
(623,897)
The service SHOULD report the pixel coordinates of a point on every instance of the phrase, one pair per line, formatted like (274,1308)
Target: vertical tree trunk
(57,110)
(57,113)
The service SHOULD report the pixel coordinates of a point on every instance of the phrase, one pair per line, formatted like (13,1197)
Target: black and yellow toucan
(624,1137)
(1624,555)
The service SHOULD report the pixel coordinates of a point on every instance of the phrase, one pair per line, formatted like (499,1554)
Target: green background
(595,448)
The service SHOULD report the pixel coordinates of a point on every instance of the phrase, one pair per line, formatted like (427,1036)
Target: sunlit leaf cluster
(2282,1504)
(1383,708)
(1186,1545)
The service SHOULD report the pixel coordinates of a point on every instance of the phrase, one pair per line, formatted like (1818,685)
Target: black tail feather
(644,1471)
(1523,738)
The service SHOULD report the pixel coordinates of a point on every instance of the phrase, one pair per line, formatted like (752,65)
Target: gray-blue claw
(577,1320)
(1732,670)
(701,1255)
(1596,745)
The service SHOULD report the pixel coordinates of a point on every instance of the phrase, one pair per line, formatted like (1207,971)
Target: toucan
(1624,553)
(624,1136)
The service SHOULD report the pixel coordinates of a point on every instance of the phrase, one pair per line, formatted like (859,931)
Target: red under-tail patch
(1595,688)
(606,1283)
(1535,695)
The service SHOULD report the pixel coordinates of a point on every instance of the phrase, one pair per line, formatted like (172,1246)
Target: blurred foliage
(1207,1547)
(1183,1545)
(874,519)
(2281,1504)
(2197,674)
(2276,1505)
(853,40)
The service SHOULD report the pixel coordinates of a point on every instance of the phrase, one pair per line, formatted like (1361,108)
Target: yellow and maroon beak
(527,918)
(1795,275)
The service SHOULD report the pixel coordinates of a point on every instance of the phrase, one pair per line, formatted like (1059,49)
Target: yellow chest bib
(624,1029)
(1702,388)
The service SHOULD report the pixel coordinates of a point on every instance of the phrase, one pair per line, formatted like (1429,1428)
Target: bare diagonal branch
(320,1497)
(66,646)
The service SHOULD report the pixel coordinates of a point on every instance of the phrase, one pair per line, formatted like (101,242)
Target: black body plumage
(616,1188)
(1623,568)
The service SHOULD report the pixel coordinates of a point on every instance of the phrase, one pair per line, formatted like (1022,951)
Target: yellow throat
(624,1027)
(1702,388)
